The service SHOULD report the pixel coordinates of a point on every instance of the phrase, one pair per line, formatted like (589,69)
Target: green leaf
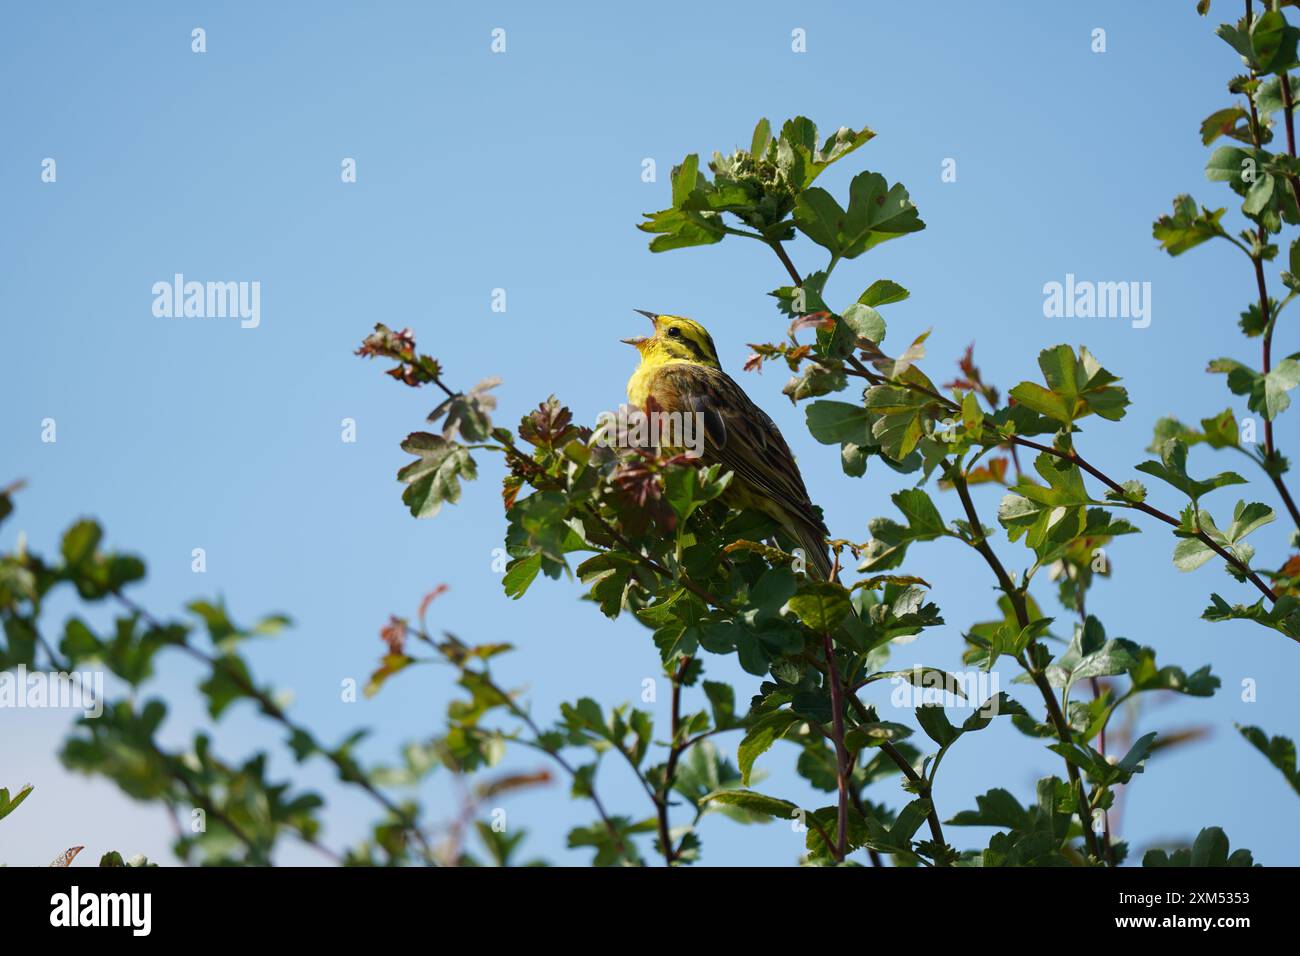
(936,725)
(922,516)
(1273,42)
(1268,99)
(1228,164)
(520,573)
(1258,195)
(799,155)
(434,477)
(814,380)
(610,576)
(702,771)
(468,413)
(1223,123)
(901,417)
(838,422)
(1209,849)
(1075,387)
(996,638)
(1098,768)
(996,808)
(9,805)
(883,292)
(1132,762)
(821,605)
(820,218)
(1090,654)
(540,523)
(1282,616)
(876,213)
(1267,393)
(909,821)
(890,540)
(80,542)
(677,620)
(874,733)
(390,665)
(1239,40)
(1187,228)
(1147,677)
(900,612)
(865,322)
(1221,430)
(722,700)
(796,301)
(1047,517)
(1191,552)
(612,849)
(227,682)
(760,736)
(771,591)
(1280,752)
(927,678)
(752,802)
(687,487)
(678,227)
(1172,469)
(7,501)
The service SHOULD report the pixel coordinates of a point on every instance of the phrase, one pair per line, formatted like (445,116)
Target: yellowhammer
(680,371)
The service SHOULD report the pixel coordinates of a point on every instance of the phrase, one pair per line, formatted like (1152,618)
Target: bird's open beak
(640,341)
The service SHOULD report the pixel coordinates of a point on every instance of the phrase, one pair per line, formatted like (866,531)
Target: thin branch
(1019,606)
(936,829)
(1287,107)
(1269,320)
(209,805)
(785,261)
(675,750)
(896,755)
(658,568)
(1076,459)
(273,710)
(841,752)
(200,799)
(573,773)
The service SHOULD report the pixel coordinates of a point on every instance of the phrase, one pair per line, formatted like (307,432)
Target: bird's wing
(739,435)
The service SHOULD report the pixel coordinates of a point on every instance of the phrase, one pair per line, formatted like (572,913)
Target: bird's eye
(675,332)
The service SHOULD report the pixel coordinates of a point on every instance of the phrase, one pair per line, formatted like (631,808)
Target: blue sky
(522,171)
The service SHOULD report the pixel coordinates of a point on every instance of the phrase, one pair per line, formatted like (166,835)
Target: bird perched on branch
(680,372)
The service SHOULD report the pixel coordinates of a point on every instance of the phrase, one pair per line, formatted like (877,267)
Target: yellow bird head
(675,339)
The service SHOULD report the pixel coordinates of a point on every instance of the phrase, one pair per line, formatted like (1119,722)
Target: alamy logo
(103,909)
(209,300)
(1098,300)
(927,687)
(630,427)
(56,689)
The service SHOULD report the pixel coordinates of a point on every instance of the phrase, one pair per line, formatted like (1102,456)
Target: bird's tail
(813,542)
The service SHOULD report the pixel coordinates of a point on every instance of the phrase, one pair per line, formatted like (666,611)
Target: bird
(679,370)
